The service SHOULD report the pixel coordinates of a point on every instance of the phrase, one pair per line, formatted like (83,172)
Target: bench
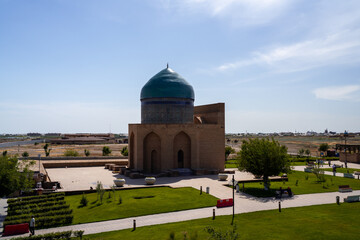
(308,170)
(348,175)
(224,203)
(15,229)
(283,193)
(355,198)
(357,173)
(345,188)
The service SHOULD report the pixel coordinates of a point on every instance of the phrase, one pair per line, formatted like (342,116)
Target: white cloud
(238,12)
(350,92)
(340,48)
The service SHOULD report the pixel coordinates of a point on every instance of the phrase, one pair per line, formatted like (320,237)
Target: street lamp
(233,182)
(345,136)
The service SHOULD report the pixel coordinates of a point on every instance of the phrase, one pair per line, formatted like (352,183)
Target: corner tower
(167,98)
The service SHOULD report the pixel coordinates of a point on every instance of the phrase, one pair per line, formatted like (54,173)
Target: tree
(14,175)
(228,151)
(25,154)
(47,150)
(263,157)
(323,147)
(125,151)
(86,152)
(307,152)
(106,151)
(301,152)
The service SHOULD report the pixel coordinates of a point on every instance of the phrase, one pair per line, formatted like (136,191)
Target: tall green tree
(323,147)
(47,150)
(263,157)
(14,175)
(228,150)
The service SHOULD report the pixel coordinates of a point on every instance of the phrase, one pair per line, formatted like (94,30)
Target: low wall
(82,163)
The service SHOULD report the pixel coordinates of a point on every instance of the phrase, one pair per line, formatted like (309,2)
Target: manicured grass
(328,221)
(230,165)
(137,202)
(303,186)
(342,170)
(298,163)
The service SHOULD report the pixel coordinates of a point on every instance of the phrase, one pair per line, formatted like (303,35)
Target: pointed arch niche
(152,153)
(182,151)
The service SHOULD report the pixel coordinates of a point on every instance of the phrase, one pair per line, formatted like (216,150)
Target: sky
(278,65)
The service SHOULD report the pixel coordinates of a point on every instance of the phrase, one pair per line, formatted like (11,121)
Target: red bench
(16,229)
(224,203)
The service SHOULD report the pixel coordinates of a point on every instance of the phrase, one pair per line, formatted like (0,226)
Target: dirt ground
(59,150)
(294,143)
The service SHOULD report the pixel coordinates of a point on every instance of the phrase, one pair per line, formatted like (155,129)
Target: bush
(71,153)
(48,236)
(106,151)
(25,154)
(87,152)
(84,201)
(125,151)
(79,233)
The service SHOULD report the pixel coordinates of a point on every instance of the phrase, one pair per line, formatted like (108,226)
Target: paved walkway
(243,202)
(3,212)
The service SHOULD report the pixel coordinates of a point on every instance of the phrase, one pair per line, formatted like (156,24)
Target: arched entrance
(180,159)
(152,153)
(182,151)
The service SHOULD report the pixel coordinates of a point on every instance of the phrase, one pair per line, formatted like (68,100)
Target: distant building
(84,138)
(34,134)
(174,134)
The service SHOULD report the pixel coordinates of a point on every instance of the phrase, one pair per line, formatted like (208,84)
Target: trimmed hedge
(39,205)
(48,236)
(11,200)
(40,214)
(49,210)
(45,222)
(38,210)
(35,201)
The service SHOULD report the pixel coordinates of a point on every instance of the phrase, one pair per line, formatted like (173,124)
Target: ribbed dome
(167,84)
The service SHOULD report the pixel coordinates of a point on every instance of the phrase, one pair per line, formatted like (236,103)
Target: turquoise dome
(167,84)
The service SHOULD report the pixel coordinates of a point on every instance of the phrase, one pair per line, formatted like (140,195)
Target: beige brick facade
(155,148)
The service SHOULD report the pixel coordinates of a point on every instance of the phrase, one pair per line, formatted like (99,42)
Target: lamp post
(345,136)
(233,182)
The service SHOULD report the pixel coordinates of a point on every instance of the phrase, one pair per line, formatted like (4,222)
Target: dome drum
(167,110)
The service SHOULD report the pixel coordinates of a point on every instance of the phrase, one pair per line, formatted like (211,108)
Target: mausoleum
(175,135)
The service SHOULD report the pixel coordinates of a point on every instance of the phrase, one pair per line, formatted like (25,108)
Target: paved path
(243,203)
(3,212)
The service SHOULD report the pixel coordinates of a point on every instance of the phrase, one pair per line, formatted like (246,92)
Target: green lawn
(137,202)
(328,221)
(303,186)
(342,170)
(300,163)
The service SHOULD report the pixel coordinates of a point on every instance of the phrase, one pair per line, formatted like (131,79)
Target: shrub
(84,201)
(25,154)
(48,236)
(125,151)
(106,151)
(87,152)
(79,233)
(71,153)
(120,200)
